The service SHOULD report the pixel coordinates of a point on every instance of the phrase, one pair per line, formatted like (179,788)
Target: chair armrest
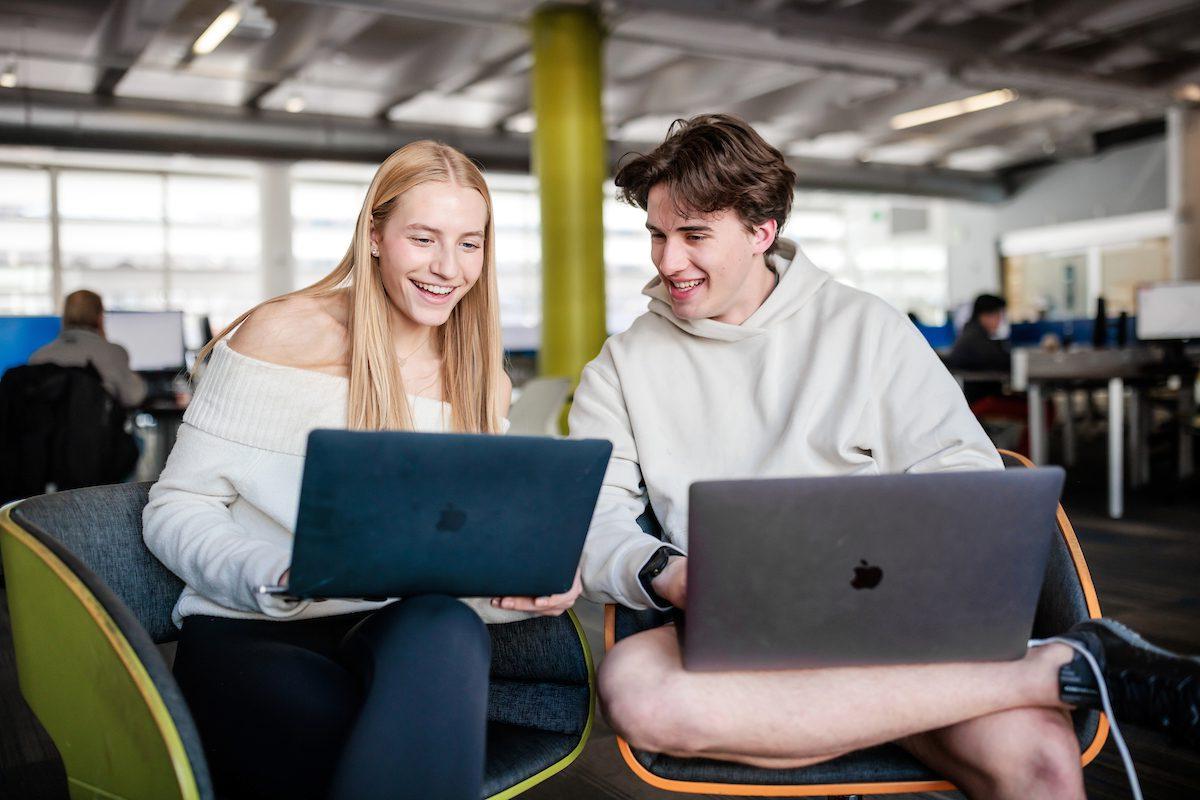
(620,622)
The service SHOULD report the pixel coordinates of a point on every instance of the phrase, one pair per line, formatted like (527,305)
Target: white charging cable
(1130,772)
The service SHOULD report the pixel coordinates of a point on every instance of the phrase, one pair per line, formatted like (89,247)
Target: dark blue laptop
(393,514)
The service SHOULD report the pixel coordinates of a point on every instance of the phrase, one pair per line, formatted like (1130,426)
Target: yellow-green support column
(569,161)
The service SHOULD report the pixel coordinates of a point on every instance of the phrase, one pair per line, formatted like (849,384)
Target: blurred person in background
(82,342)
(983,347)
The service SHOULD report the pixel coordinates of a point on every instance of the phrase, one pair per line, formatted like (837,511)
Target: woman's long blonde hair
(469,341)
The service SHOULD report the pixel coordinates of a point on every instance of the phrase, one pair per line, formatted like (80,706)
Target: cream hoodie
(822,379)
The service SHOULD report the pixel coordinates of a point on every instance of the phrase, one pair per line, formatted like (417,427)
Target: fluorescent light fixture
(294,104)
(8,78)
(955,108)
(221,27)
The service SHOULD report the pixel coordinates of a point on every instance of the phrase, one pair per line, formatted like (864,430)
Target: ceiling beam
(126,30)
(715,29)
(871,115)
(67,119)
(1119,18)
(457,12)
(300,40)
(916,16)
(1065,15)
(690,85)
(455,63)
(1065,135)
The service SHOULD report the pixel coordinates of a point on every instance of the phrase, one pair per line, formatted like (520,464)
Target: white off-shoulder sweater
(221,515)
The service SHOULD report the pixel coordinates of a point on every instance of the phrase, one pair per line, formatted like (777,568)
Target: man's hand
(549,606)
(671,583)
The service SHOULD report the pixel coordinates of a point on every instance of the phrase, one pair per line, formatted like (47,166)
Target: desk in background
(157,421)
(1137,369)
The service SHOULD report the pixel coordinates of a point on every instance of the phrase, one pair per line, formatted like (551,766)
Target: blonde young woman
(340,698)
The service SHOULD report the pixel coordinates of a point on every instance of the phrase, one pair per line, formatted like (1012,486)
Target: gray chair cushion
(876,764)
(102,526)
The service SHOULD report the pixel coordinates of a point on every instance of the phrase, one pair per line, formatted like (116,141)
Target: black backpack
(58,425)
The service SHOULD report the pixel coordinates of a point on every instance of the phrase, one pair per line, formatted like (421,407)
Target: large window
(893,247)
(169,232)
(26,279)
(1048,285)
(627,264)
(325,206)
(153,241)
(145,239)
(1124,267)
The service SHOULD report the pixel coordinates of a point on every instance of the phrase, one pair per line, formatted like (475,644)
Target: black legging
(385,704)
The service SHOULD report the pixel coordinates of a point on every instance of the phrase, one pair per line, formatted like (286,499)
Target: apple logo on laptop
(866,576)
(452,519)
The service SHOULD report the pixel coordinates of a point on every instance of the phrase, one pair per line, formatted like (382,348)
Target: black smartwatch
(654,567)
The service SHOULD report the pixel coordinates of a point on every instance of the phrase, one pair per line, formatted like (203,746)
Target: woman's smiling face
(431,249)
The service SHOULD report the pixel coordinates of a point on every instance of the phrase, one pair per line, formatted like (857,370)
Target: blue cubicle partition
(1029,334)
(20,336)
(940,337)
(1069,332)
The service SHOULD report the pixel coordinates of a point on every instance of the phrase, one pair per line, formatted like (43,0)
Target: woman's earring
(374,251)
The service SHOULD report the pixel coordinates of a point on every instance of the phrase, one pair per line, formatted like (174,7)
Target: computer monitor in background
(154,339)
(1169,311)
(20,336)
(196,331)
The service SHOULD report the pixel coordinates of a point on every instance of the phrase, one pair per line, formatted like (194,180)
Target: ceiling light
(294,104)
(221,27)
(521,123)
(923,116)
(8,78)
(1190,92)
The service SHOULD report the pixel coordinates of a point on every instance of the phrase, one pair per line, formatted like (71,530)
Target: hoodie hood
(799,280)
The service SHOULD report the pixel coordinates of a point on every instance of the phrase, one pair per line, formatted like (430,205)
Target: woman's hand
(550,606)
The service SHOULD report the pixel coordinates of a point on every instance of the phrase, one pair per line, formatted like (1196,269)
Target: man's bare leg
(1022,754)
(801,717)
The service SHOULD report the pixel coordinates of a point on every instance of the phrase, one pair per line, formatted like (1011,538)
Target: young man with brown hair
(745,367)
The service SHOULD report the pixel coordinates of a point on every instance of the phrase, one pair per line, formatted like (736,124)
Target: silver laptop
(858,570)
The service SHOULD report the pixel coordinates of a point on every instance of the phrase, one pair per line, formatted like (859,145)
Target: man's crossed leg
(996,729)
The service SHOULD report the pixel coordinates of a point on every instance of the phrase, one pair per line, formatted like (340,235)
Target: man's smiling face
(711,264)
